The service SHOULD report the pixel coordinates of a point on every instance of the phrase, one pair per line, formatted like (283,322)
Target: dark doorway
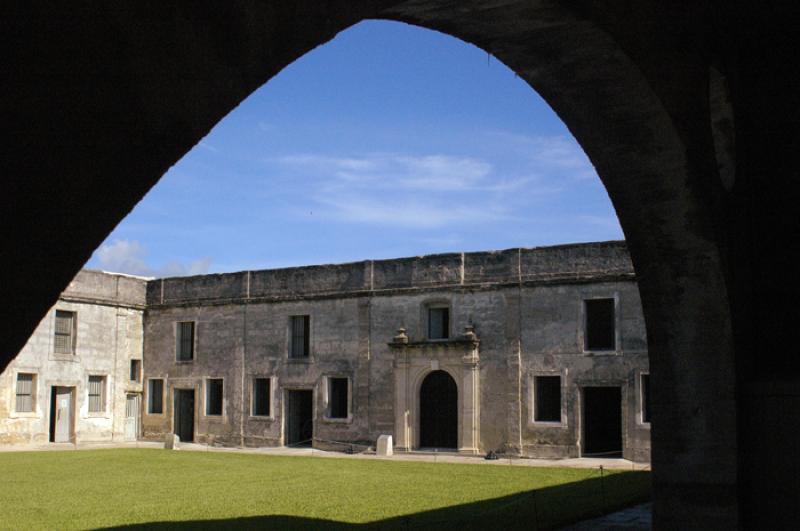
(184,414)
(438,411)
(602,421)
(299,418)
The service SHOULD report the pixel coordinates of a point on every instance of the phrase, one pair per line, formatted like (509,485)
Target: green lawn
(168,490)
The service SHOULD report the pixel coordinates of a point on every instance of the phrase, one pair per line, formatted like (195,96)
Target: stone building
(537,352)
(79,377)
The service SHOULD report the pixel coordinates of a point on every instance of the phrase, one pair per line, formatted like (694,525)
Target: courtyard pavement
(636,518)
(425,456)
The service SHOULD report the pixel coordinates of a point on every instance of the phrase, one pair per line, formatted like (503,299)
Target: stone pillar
(470,404)
(401,404)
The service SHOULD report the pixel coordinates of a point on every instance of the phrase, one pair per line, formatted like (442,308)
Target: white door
(132,418)
(63,413)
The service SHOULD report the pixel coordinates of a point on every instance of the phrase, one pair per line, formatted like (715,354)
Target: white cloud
(428,172)
(412,214)
(129,256)
(559,155)
(123,256)
(410,191)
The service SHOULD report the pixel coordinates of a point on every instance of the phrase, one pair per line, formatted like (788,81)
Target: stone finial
(401,336)
(469,332)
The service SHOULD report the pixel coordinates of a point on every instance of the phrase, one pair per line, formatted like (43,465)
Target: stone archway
(103,104)
(438,411)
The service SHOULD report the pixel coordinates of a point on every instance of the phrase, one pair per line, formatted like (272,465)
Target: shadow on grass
(545,508)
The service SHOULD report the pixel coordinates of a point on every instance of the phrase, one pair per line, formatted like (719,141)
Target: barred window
(300,340)
(337,398)
(155,396)
(97,394)
(64,340)
(25,393)
(184,348)
(261,397)
(214,396)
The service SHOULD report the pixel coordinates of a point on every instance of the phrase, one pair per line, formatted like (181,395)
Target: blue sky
(389,141)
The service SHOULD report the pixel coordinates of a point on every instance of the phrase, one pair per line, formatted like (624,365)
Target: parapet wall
(563,263)
(100,287)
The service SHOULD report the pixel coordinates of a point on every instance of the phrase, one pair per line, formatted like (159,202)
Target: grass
(161,489)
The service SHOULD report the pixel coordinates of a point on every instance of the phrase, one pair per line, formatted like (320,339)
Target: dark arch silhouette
(101,99)
(438,411)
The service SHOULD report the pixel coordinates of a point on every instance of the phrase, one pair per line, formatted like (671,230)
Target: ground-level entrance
(438,411)
(299,417)
(132,417)
(62,414)
(184,414)
(602,421)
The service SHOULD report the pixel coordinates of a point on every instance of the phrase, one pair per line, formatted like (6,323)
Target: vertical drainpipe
(244,359)
(115,372)
(519,347)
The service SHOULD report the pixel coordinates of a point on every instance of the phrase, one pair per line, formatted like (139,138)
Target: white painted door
(63,411)
(132,417)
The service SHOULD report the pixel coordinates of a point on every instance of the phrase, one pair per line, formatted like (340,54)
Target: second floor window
(184,345)
(438,323)
(136,370)
(600,332)
(299,341)
(64,341)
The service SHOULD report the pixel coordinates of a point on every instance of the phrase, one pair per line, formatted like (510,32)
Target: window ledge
(332,420)
(262,418)
(24,415)
(98,415)
(546,424)
(301,361)
(74,358)
(184,362)
(602,352)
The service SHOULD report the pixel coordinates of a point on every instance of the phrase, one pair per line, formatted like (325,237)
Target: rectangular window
(547,402)
(136,370)
(262,390)
(214,396)
(184,348)
(600,325)
(645,398)
(299,343)
(438,323)
(337,398)
(64,340)
(97,394)
(155,396)
(26,387)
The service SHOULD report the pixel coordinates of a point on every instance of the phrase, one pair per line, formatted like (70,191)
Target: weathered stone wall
(109,312)
(525,304)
